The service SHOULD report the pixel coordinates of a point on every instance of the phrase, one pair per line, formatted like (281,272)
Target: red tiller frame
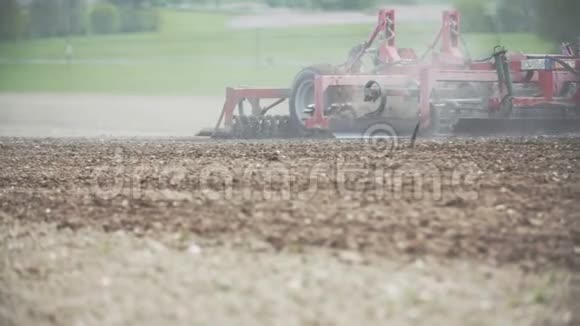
(388,52)
(448,65)
(402,79)
(235,97)
(450,38)
(403,83)
(398,78)
(322,83)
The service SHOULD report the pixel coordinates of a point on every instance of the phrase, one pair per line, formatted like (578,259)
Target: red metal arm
(387,52)
(235,95)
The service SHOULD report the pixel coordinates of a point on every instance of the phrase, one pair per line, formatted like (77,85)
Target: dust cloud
(91,115)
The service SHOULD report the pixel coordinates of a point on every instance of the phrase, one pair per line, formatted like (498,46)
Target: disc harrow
(441,91)
(261,127)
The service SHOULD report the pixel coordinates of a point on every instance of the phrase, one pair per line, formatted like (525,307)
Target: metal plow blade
(515,127)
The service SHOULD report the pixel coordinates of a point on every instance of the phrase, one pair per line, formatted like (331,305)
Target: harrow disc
(261,127)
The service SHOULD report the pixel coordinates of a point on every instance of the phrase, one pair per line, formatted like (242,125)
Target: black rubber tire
(304,78)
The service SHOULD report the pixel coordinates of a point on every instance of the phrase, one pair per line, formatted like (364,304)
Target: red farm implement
(442,91)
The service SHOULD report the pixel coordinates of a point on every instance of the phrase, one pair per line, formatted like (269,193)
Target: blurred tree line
(50,18)
(554,20)
(325,4)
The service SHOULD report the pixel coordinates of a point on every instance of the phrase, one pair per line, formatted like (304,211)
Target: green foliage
(50,18)
(355,4)
(554,20)
(137,16)
(56,18)
(276,3)
(12,20)
(290,3)
(76,12)
(138,20)
(46,19)
(474,16)
(196,53)
(323,4)
(131,3)
(559,20)
(104,18)
(515,16)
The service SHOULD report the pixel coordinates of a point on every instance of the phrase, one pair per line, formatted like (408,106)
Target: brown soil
(500,201)
(89,277)
(155,231)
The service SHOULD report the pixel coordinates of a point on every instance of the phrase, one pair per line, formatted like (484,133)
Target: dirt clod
(146,231)
(477,199)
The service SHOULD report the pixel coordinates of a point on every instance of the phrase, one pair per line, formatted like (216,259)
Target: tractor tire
(302,94)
